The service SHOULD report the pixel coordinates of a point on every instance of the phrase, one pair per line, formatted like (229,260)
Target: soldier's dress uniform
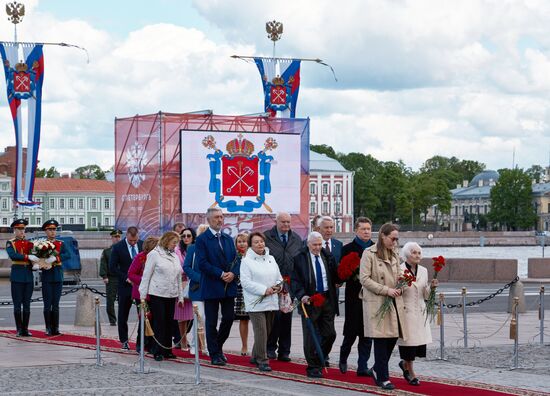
(52,283)
(21,279)
(112,284)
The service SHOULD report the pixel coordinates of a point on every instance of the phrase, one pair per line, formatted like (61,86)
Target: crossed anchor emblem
(240,175)
(22,83)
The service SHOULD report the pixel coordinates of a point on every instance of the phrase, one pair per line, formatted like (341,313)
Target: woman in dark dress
(241,243)
(353,324)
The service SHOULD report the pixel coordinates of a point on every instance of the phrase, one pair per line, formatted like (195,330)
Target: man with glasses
(122,255)
(283,245)
(215,258)
(110,278)
(19,252)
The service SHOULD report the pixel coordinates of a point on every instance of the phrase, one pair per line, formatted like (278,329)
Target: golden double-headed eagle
(274,30)
(15,12)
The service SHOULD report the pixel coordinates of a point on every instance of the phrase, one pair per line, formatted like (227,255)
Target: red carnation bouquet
(349,267)
(406,279)
(431,305)
(317,300)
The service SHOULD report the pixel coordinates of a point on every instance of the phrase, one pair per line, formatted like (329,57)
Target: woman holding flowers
(414,316)
(379,274)
(261,281)
(161,282)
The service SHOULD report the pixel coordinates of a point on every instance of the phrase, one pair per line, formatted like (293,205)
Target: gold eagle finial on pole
(15,11)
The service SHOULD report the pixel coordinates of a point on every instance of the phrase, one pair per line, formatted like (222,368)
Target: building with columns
(330,191)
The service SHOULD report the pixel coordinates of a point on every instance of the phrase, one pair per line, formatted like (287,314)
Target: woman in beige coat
(378,274)
(415,316)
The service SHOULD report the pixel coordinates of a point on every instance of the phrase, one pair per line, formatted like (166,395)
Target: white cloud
(416,78)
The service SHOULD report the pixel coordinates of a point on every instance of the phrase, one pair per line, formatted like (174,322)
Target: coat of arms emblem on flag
(239,178)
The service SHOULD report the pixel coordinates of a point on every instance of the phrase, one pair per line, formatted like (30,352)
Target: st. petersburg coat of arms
(21,81)
(278,93)
(239,178)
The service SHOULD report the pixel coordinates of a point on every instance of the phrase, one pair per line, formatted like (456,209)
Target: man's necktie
(133,250)
(327,246)
(284,239)
(219,236)
(320,287)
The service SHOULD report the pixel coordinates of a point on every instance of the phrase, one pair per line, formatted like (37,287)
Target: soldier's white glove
(51,260)
(35,267)
(33,258)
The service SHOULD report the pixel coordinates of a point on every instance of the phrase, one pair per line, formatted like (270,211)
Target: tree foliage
(90,172)
(511,200)
(47,173)
(536,173)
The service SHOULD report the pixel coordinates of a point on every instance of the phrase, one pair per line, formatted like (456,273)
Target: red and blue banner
(24,83)
(281,83)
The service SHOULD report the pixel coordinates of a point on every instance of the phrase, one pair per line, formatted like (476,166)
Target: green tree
(452,170)
(90,172)
(511,201)
(536,173)
(323,149)
(47,173)
(392,184)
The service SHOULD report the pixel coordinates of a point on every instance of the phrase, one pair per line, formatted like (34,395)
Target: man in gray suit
(283,245)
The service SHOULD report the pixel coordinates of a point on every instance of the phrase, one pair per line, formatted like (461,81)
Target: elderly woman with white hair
(415,317)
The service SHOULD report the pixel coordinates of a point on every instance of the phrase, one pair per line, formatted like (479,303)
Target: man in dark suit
(122,255)
(215,257)
(314,275)
(283,245)
(330,244)
(110,279)
(353,325)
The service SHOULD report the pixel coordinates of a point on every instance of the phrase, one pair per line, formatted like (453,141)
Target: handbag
(285,303)
(186,290)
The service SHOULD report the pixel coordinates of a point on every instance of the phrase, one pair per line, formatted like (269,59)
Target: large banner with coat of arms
(256,173)
(172,167)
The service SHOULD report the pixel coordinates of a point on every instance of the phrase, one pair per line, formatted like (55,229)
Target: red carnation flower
(317,300)
(349,266)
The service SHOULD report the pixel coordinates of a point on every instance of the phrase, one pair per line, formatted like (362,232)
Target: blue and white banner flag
(281,82)
(24,83)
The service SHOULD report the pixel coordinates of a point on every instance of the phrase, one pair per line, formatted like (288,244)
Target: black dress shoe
(218,362)
(253,361)
(343,367)
(223,357)
(125,346)
(406,373)
(159,358)
(415,381)
(366,373)
(386,385)
(264,367)
(170,356)
(314,374)
(271,355)
(284,358)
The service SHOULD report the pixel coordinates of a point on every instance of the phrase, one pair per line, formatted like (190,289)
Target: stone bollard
(85,308)
(516,290)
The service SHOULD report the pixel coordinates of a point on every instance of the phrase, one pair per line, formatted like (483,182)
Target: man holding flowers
(314,285)
(52,277)
(348,271)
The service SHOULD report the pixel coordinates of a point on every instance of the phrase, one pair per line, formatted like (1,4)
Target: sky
(415,78)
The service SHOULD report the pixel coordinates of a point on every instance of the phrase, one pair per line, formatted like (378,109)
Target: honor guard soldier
(52,279)
(19,252)
(109,278)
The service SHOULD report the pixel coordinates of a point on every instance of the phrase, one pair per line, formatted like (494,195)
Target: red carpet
(295,371)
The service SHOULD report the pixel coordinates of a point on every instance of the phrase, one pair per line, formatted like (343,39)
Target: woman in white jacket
(419,334)
(261,281)
(162,282)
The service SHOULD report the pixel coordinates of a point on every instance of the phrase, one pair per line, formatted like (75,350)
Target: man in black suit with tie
(121,257)
(315,275)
